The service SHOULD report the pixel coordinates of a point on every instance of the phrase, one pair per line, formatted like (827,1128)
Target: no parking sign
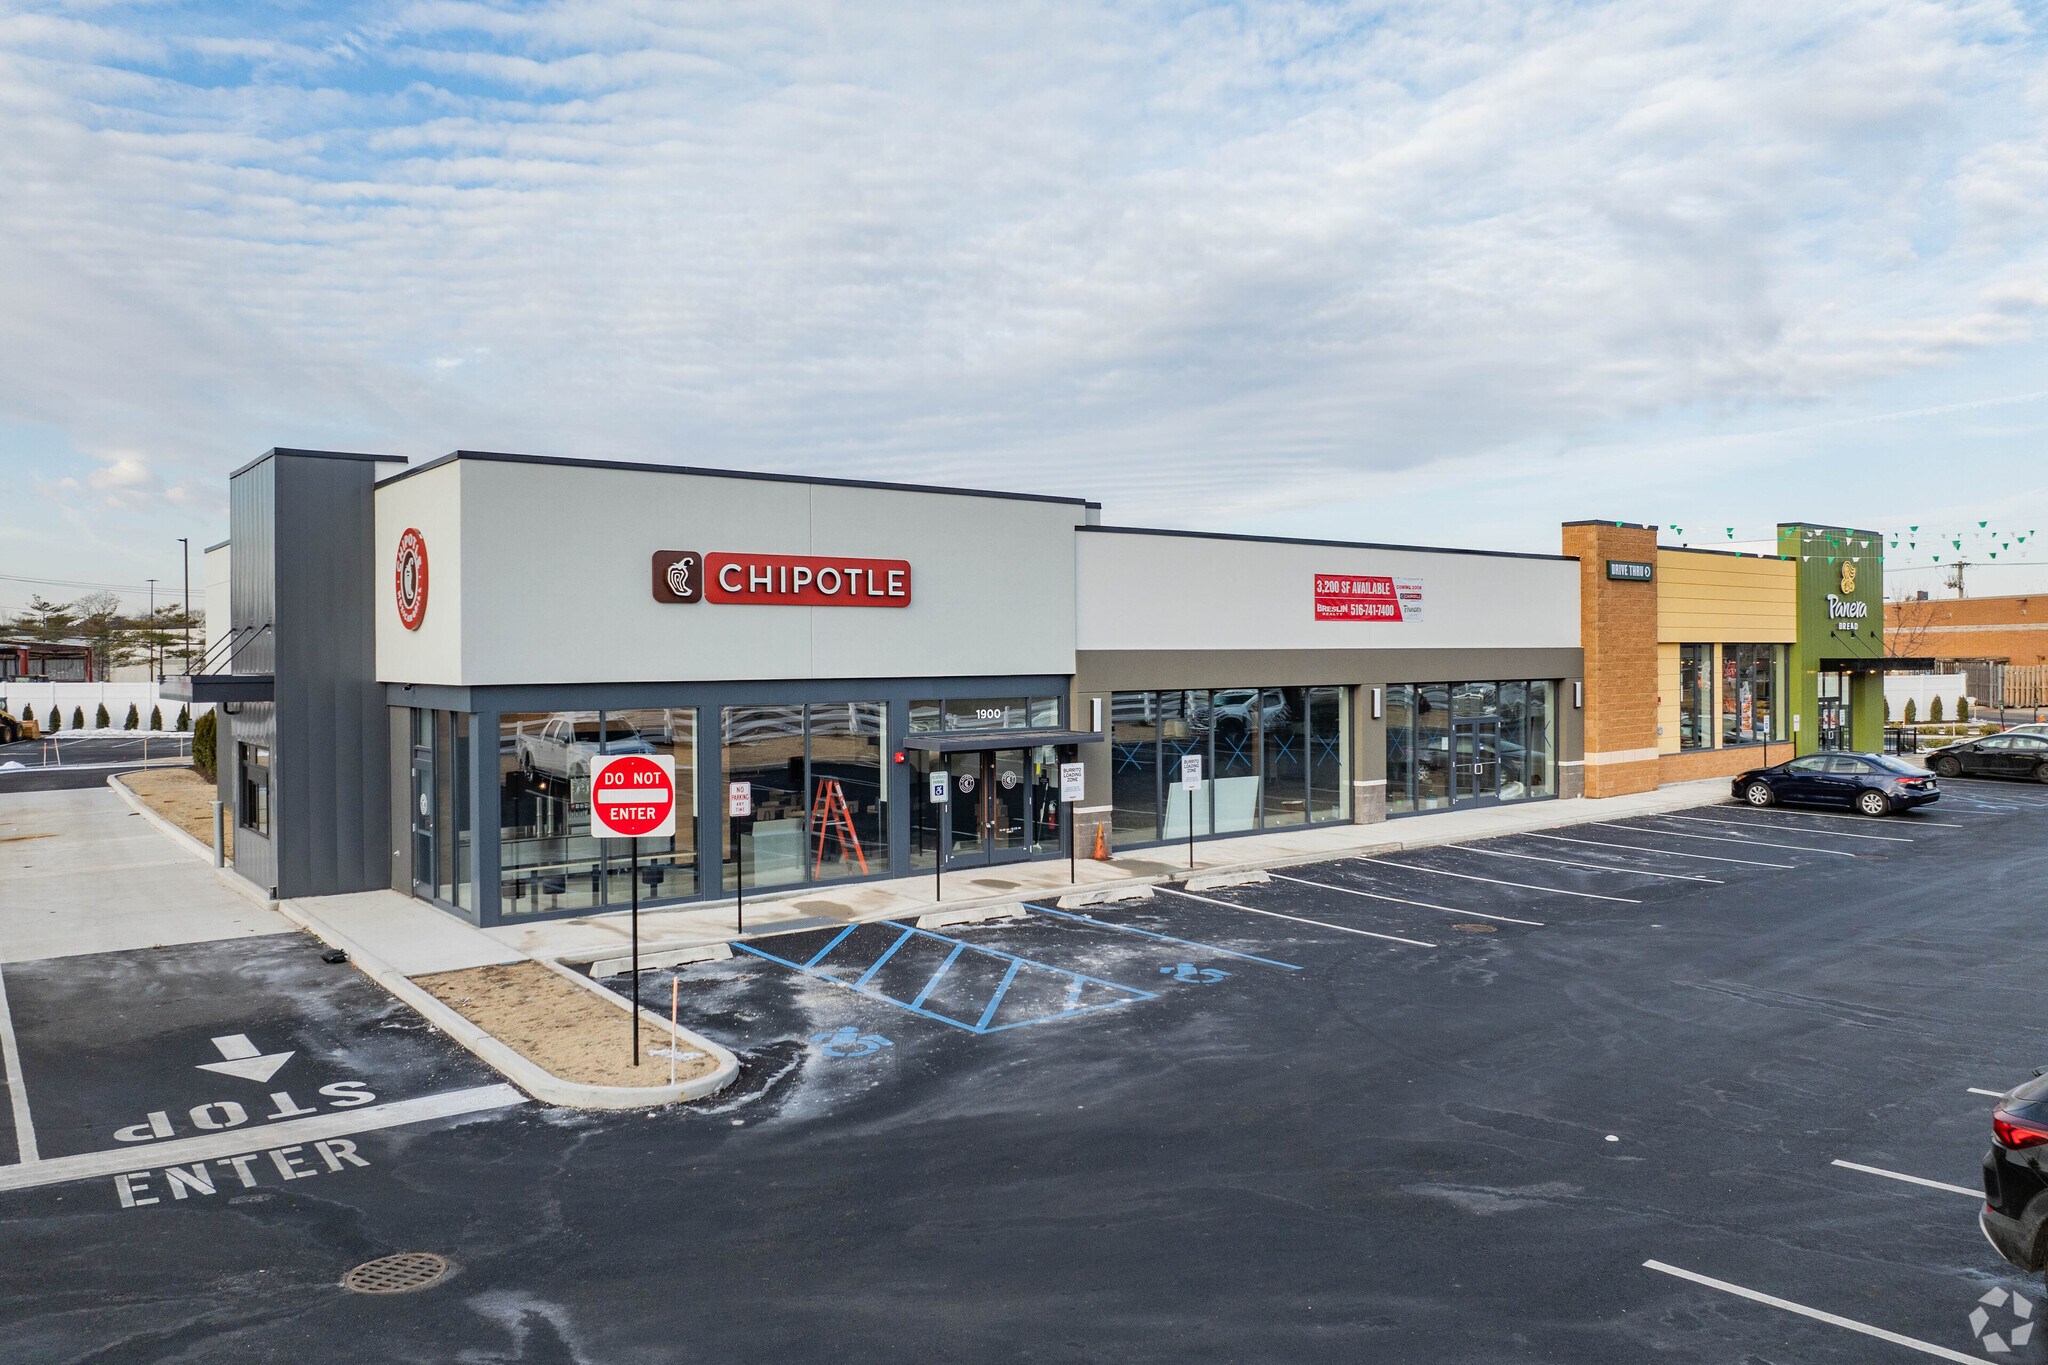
(632,796)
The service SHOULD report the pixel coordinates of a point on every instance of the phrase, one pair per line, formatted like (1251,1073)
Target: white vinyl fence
(1921,689)
(18,697)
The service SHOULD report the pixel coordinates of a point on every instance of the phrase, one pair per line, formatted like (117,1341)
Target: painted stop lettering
(632,796)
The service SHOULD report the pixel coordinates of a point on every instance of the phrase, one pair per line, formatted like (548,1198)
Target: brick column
(1618,632)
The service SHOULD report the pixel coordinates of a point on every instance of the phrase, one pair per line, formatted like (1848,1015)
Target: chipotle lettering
(786,580)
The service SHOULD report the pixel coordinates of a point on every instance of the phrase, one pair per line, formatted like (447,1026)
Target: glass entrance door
(1475,761)
(423,822)
(1834,711)
(989,816)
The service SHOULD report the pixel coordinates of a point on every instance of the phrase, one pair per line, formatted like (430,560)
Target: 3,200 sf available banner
(1367,597)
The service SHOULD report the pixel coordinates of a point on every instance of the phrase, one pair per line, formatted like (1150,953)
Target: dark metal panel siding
(400,776)
(331,773)
(252,604)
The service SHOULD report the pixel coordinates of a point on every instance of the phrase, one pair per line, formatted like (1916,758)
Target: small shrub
(100,719)
(1934,711)
(184,719)
(203,757)
(78,717)
(1962,708)
(133,720)
(156,717)
(1911,709)
(56,721)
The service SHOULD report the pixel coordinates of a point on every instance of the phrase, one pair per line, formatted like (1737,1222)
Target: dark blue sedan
(1876,784)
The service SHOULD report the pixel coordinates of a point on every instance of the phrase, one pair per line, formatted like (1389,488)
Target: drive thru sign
(632,796)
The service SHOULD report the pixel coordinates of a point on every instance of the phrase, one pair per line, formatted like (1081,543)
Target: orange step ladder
(835,818)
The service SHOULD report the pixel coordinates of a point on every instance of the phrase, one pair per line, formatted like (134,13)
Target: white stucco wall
(1141,591)
(542,574)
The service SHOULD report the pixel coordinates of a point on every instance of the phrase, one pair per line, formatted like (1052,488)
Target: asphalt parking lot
(1449,1104)
(61,763)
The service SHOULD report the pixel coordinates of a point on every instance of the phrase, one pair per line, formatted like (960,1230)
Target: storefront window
(849,811)
(985,713)
(1134,767)
(1452,744)
(668,867)
(451,784)
(764,745)
(1748,693)
(1432,746)
(1329,754)
(1695,672)
(1283,755)
(547,859)
(1184,727)
(1400,718)
(1237,723)
(1046,810)
(255,802)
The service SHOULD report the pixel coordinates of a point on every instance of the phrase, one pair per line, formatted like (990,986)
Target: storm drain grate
(396,1274)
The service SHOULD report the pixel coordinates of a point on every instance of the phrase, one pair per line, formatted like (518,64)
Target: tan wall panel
(1703,597)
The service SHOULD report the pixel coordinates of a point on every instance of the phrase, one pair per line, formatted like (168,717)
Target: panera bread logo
(780,580)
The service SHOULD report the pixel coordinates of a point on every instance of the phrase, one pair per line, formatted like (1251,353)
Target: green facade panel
(1841,617)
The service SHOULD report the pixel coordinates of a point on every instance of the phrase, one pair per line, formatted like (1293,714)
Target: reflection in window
(764,745)
(1695,673)
(1748,691)
(1184,720)
(1432,746)
(1329,755)
(255,802)
(1134,767)
(1237,728)
(1400,714)
(546,857)
(1283,755)
(849,813)
(1511,755)
(668,867)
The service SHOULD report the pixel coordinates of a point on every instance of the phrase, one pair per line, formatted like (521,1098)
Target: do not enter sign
(632,796)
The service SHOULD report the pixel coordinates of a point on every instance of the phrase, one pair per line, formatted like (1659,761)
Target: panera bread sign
(780,580)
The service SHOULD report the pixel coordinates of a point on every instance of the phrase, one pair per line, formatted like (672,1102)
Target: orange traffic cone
(1101,853)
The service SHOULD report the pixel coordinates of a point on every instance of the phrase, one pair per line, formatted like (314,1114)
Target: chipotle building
(422,661)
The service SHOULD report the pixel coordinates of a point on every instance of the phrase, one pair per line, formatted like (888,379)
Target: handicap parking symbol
(849,1041)
(1187,971)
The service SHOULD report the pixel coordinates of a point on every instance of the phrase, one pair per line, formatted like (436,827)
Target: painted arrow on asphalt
(239,1057)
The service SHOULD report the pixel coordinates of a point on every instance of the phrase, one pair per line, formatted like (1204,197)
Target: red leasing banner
(1355,597)
(806,580)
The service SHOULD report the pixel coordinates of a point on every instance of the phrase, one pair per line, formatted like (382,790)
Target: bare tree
(1908,628)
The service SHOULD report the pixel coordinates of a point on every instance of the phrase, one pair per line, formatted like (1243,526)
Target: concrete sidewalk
(667,936)
(80,872)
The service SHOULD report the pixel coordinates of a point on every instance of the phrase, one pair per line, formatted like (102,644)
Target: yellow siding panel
(1713,598)
(1667,699)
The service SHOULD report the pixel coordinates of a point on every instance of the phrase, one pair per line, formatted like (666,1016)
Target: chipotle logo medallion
(412,578)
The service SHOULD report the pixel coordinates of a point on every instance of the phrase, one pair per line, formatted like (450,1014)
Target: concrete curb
(728,1064)
(542,1085)
(234,881)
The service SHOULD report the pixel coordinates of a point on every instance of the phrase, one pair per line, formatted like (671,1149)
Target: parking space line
(1164,938)
(1401,900)
(890,952)
(1254,910)
(1724,839)
(1741,824)
(1832,1319)
(981,1025)
(1909,1179)
(1590,867)
(1919,821)
(841,938)
(1662,852)
(1495,881)
(1994,1094)
(451,1104)
(944,967)
(17,1088)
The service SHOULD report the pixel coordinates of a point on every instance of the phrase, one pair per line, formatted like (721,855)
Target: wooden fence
(2026,685)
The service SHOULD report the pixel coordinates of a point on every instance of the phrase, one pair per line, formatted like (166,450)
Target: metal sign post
(633,795)
(739,797)
(941,793)
(1191,782)
(1073,787)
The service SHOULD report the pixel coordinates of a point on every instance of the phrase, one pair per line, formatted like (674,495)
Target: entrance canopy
(977,741)
(1875,665)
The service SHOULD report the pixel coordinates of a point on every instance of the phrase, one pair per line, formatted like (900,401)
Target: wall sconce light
(1578,695)
(1376,703)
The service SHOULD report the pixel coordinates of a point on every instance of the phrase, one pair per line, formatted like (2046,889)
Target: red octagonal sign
(632,796)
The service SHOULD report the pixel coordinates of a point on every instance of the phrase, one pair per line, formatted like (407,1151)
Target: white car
(560,749)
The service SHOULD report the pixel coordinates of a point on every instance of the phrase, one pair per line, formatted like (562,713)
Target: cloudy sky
(1446,273)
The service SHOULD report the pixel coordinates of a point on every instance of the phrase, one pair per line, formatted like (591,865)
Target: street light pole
(154,670)
(186,542)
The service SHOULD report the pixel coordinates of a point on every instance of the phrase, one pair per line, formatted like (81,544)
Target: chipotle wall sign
(780,580)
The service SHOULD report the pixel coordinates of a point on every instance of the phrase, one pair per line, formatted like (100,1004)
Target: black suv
(2015,1215)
